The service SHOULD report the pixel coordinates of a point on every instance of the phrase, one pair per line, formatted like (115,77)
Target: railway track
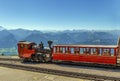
(54,71)
(58,72)
(72,63)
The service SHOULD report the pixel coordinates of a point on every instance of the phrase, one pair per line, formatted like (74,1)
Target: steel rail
(59,72)
(72,63)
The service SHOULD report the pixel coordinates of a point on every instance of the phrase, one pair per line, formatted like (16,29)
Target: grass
(8,51)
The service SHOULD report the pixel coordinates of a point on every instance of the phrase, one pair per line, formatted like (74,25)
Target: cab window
(21,46)
(26,46)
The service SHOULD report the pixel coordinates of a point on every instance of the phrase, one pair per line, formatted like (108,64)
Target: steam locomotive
(30,51)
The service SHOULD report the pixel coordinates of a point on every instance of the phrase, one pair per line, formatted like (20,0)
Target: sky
(60,14)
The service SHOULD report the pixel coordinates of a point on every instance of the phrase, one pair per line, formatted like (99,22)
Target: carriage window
(86,50)
(54,50)
(57,49)
(106,51)
(63,50)
(100,51)
(92,50)
(77,50)
(112,52)
(72,50)
(81,50)
(67,50)
(95,51)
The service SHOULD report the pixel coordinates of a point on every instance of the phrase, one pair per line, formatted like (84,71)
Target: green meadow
(8,51)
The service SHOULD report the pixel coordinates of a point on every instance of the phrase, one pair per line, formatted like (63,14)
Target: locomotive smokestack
(50,43)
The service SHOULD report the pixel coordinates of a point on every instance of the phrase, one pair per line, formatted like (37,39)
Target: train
(99,54)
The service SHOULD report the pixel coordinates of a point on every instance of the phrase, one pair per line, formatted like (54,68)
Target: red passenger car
(103,54)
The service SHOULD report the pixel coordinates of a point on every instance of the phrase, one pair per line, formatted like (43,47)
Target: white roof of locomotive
(24,42)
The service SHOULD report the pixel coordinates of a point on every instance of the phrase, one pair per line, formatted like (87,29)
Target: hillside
(9,38)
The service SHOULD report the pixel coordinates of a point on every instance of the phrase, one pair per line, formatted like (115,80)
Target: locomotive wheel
(21,59)
(34,58)
(24,60)
(40,58)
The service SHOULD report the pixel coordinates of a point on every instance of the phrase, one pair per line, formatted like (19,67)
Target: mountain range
(9,38)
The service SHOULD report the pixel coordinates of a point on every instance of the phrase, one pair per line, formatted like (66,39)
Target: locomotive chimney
(50,43)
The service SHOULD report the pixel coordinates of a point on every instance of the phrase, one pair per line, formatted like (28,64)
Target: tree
(2,54)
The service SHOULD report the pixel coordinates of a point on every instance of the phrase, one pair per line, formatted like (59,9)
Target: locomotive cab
(25,49)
